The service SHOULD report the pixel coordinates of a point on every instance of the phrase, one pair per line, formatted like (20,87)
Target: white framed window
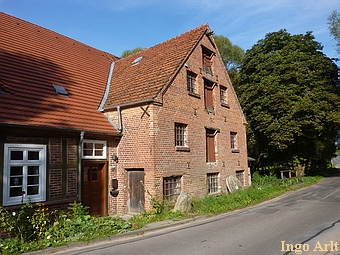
(233,140)
(180,135)
(24,175)
(212,183)
(93,149)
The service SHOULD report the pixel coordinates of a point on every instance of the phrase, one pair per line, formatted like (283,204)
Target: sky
(117,25)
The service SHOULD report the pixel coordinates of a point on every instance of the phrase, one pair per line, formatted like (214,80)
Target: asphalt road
(307,219)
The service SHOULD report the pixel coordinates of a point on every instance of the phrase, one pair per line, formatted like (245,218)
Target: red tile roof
(32,59)
(156,69)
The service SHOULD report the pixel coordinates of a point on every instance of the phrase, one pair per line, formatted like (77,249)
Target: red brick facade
(148,135)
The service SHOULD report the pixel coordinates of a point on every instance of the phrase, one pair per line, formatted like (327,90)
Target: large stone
(233,183)
(183,203)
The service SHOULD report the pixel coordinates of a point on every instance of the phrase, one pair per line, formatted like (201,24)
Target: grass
(43,229)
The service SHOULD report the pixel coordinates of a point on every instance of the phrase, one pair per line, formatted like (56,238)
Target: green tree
(334,28)
(288,93)
(232,56)
(130,52)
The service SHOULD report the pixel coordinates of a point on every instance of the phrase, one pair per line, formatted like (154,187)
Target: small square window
(180,134)
(171,187)
(212,183)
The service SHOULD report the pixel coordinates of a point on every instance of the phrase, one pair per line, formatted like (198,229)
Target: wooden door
(93,187)
(136,190)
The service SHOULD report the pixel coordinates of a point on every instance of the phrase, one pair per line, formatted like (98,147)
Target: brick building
(77,123)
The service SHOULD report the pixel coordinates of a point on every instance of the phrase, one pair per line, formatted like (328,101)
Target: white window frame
(181,135)
(93,156)
(41,196)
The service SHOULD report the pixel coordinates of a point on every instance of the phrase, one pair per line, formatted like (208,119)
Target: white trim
(41,196)
(93,156)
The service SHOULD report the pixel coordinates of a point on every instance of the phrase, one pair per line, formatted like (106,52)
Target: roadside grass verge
(35,228)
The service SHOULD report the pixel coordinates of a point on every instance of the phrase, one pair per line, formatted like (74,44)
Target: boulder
(183,203)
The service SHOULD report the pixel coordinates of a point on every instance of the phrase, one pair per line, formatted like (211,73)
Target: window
(240,176)
(24,173)
(93,149)
(207,59)
(208,95)
(191,82)
(212,183)
(180,134)
(233,141)
(171,187)
(223,96)
(210,145)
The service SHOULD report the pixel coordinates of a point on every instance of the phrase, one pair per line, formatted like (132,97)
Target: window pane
(88,146)
(15,192)
(17,155)
(32,180)
(16,170)
(98,152)
(87,152)
(32,190)
(16,181)
(33,155)
(94,174)
(99,146)
(33,170)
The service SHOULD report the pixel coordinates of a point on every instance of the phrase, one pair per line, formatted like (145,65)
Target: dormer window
(207,60)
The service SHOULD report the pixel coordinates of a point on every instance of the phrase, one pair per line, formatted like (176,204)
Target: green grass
(37,228)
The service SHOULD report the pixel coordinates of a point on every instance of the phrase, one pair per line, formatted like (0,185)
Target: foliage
(130,52)
(37,228)
(334,28)
(232,56)
(288,93)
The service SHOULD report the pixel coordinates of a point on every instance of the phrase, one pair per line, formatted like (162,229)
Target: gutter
(82,133)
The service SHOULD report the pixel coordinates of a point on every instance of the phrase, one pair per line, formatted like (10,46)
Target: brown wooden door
(93,187)
(136,190)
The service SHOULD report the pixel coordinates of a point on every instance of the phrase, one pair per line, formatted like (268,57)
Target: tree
(334,28)
(130,52)
(288,93)
(232,56)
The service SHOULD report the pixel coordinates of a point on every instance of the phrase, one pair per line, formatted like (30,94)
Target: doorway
(136,196)
(94,193)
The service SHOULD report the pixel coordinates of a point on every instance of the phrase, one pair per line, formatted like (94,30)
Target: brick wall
(148,137)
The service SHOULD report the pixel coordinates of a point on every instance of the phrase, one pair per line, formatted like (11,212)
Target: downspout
(82,133)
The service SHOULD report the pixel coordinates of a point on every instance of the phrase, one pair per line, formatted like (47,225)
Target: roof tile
(132,83)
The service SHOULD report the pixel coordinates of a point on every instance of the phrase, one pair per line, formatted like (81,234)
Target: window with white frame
(24,176)
(191,82)
(223,95)
(180,134)
(212,183)
(233,141)
(171,187)
(94,149)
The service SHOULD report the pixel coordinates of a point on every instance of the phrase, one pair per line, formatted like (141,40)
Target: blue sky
(118,25)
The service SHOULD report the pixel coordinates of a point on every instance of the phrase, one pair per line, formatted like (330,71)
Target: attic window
(60,90)
(136,61)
